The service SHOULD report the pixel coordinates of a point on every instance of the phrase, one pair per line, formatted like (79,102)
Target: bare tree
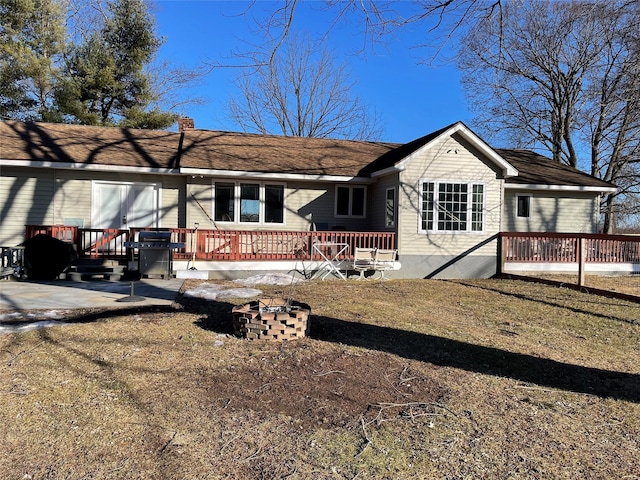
(564,78)
(302,92)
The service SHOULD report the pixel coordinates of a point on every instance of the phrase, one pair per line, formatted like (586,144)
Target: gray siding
(25,197)
(450,160)
(305,203)
(32,196)
(74,189)
(376,209)
(564,212)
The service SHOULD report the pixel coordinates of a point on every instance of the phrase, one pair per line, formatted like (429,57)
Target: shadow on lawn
(529,298)
(476,358)
(453,353)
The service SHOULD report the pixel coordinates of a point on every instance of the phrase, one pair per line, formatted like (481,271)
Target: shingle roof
(79,144)
(271,154)
(215,150)
(401,151)
(536,169)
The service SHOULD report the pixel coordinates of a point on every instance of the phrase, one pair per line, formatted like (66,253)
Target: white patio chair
(384,260)
(363,260)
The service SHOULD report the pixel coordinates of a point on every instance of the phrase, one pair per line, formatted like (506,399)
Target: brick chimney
(185,123)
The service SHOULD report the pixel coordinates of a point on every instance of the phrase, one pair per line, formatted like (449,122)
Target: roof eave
(567,188)
(86,166)
(274,175)
(389,171)
(508,170)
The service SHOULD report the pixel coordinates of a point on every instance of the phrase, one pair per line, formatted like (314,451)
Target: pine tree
(105,79)
(32,36)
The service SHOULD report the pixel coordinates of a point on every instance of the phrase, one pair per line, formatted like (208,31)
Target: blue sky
(412,99)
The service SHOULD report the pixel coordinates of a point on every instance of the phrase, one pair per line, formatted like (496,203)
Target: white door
(131,205)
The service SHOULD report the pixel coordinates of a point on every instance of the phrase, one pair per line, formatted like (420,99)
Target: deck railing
(231,245)
(564,248)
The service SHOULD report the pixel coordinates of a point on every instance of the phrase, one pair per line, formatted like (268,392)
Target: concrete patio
(62,294)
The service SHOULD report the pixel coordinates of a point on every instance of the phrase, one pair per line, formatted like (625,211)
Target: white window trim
(236,202)
(470,184)
(395,207)
(350,187)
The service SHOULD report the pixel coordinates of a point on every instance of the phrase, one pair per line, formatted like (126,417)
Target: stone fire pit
(271,319)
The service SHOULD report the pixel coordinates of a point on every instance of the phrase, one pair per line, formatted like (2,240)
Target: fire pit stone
(271,319)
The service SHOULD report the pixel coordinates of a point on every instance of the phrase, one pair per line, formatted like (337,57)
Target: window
(249,202)
(274,203)
(524,205)
(253,202)
(390,208)
(350,201)
(452,207)
(477,208)
(224,202)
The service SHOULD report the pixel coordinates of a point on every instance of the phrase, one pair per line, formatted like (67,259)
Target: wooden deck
(557,252)
(217,245)
(566,248)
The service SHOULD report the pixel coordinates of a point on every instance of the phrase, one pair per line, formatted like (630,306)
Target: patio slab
(63,294)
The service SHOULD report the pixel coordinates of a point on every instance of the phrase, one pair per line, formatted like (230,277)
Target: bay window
(452,207)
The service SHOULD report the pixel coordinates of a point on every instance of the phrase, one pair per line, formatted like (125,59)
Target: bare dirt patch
(335,390)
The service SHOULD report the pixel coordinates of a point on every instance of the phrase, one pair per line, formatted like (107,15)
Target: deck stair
(87,269)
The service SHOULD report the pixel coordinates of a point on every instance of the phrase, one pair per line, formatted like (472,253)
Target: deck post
(502,254)
(581,260)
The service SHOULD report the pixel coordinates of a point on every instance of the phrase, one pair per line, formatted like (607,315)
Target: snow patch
(270,279)
(25,327)
(31,321)
(20,316)
(210,291)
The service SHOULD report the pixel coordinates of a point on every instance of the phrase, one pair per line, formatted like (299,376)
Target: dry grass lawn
(494,379)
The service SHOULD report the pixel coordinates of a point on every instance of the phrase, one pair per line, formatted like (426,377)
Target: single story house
(445,196)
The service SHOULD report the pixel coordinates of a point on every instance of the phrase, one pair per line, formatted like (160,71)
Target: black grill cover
(46,257)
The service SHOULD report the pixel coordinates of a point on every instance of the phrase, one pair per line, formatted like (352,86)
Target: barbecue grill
(155,253)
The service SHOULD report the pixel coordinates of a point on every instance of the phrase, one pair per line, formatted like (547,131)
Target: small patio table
(330,253)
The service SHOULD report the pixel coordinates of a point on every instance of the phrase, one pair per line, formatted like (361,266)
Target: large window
(350,201)
(452,207)
(248,202)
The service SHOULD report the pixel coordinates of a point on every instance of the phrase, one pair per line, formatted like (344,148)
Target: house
(444,197)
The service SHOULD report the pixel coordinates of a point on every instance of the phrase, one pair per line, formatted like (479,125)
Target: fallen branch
(24,352)
(327,373)
(366,437)
(166,445)
(410,406)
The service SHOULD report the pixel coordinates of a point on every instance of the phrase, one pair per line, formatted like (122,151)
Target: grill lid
(154,237)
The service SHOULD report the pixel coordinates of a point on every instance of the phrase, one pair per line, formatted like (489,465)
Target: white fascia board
(559,188)
(85,166)
(507,169)
(401,166)
(273,176)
